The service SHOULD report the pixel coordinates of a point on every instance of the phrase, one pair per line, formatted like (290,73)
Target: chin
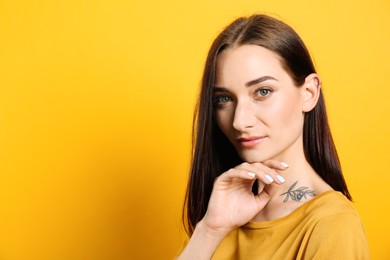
(254,157)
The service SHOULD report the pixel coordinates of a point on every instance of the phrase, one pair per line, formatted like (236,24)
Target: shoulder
(337,231)
(332,214)
(330,203)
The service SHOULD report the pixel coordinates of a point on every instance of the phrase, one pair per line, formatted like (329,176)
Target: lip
(250,141)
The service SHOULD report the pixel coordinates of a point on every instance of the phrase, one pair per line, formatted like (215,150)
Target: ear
(311,91)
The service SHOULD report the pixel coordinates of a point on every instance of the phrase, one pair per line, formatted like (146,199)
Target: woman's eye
(222,100)
(263,92)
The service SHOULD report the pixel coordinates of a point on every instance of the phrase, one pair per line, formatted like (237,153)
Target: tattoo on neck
(298,193)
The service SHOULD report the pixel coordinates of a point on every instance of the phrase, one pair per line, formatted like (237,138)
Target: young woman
(266,181)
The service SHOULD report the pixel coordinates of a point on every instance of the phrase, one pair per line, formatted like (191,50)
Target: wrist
(212,232)
(203,243)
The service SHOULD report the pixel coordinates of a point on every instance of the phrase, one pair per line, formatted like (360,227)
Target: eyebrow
(248,84)
(259,80)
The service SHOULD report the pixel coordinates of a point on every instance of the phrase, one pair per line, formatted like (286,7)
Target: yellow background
(96,100)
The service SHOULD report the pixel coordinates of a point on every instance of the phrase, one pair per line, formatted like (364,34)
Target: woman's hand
(232,202)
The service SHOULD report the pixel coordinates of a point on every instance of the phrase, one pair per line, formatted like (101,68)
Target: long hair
(212,153)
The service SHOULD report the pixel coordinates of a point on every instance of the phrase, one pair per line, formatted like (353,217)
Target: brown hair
(213,154)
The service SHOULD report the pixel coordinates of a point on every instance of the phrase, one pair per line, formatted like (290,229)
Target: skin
(272,109)
(261,111)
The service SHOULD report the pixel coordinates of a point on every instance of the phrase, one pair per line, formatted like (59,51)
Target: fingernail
(251,174)
(269,178)
(280,178)
(285,165)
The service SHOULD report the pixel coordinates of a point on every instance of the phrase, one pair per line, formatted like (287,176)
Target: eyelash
(218,100)
(258,91)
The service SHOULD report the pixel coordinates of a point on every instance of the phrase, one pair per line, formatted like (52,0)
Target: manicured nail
(251,174)
(269,178)
(280,178)
(285,165)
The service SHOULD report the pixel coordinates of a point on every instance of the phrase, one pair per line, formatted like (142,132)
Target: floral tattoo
(297,194)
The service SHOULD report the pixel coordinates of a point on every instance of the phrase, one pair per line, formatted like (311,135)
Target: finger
(262,199)
(277,165)
(263,173)
(260,187)
(271,169)
(237,173)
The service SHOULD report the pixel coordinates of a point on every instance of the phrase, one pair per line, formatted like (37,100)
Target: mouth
(250,141)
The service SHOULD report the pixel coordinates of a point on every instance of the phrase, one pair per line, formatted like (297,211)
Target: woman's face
(257,105)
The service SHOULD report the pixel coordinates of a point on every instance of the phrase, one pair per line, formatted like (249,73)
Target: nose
(244,116)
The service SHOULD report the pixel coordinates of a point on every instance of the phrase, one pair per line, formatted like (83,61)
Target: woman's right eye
(221,100)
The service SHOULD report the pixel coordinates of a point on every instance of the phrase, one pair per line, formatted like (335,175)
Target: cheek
(287,112)
(224,121)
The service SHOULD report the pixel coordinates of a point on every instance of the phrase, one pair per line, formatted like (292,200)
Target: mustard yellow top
(326,227)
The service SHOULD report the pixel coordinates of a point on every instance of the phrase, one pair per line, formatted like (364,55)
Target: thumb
(262,199)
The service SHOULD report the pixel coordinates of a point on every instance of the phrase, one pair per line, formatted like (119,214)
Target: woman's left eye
(263,92)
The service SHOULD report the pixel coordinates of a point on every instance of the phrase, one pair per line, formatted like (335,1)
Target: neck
(302,184)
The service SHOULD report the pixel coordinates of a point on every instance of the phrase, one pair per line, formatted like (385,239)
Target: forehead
(248,62)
